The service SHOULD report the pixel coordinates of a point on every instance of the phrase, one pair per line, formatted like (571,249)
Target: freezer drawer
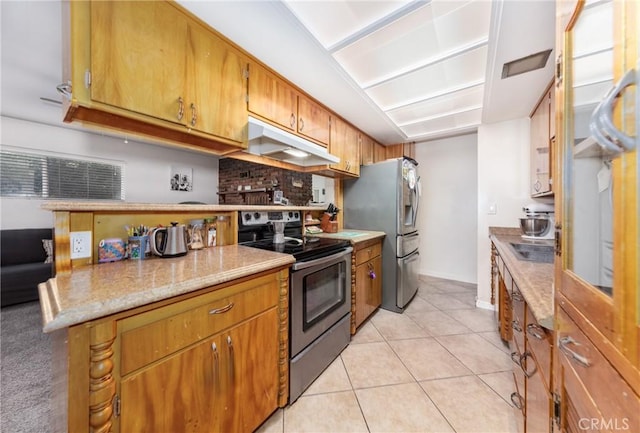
(407,244)
(407,278)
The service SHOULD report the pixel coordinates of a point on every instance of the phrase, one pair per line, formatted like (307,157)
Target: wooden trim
(353,293)
(62,243)
(283,359)
(589,300)
(78,378)
(102,386)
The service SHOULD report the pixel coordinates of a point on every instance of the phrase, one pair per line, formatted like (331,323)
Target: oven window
(323,292)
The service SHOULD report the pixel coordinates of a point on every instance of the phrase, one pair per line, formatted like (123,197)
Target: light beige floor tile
(274,424)
(373,364)
(430,279)
(470,405)
(444,301)
(493,337)
(466,298)
(450,286)
(366,333)
(417,306)
(478,320)
(425,289)
(476,353)
(334,378)
(333,412)
(427,359)
(502,383)
(439,323)
(400,408)
(396,326)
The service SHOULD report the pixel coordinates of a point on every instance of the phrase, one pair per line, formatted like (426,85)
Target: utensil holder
(138,247)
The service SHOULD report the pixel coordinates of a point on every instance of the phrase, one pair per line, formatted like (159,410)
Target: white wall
(147,167)
(448,207)
(503,180)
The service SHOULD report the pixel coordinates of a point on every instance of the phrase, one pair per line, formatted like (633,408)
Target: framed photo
(181,178)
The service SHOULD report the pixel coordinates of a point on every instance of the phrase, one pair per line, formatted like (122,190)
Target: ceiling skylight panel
(445,124)
(458,72)
(333,21)
(450,102)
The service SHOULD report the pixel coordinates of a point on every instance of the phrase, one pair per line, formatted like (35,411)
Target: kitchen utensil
(169,241)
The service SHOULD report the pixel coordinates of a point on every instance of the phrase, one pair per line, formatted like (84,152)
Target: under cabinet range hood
(270,141)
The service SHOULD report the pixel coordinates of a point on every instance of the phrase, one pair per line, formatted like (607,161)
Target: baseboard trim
(485,305)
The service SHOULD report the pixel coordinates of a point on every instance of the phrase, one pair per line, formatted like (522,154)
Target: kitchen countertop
(352,235)
(100,290)
(535,280)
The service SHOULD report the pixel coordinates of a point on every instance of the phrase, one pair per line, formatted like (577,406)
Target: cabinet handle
(222,310)
(526,372)
(230,369)
(516,399)
(517,296)
(301,124)
(580,359)
(515,357)
(537,185)
(516,326)
(180,108)
(194,114)
(216,364)
(536,331)
(292,121)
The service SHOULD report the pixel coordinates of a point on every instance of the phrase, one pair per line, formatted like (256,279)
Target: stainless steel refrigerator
(385,198)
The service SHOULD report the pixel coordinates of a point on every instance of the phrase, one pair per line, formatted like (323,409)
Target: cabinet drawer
(365,254)
(540,342)
(152,335)
(613,397)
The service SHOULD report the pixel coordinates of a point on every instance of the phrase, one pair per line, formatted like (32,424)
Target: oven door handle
(321,261)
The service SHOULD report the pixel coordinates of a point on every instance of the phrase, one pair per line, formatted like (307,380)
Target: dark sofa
(22,264)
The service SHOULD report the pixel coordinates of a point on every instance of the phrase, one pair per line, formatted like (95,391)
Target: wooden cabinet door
(379,152)
(313,120)
(345,145)
(181,393)
(272,98)
(540,147)
(138,57)
(251,371)
(368,289)
(367,150)
(538,404)
(216,92)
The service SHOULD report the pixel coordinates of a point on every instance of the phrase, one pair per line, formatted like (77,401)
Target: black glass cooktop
(308,249)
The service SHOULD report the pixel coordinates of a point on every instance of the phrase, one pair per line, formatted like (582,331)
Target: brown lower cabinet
(531,348)
(212,361)
(368,284)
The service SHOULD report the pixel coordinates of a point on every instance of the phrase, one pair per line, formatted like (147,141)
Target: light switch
(493,209)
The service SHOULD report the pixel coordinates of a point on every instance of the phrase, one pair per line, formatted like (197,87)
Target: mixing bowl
(534,226)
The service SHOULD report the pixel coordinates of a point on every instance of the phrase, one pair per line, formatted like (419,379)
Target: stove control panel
(260,218)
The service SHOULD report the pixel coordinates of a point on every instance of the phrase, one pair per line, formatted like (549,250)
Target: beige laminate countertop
(100,290)
(352,235)
(535,280)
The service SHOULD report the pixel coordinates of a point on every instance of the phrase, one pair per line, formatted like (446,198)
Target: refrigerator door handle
(416,191)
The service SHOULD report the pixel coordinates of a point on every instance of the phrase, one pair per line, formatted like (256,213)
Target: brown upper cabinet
(400,150)
(371,151)
(275,100)
(542,133)
(152,69)
(345,144)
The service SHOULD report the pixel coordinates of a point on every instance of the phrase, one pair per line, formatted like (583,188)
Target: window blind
(53,177)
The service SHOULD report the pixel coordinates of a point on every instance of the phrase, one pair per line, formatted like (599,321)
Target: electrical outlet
(80,244)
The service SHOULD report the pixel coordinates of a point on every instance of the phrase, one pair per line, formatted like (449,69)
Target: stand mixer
(539,222)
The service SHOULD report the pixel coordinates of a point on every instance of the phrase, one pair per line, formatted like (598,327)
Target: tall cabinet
(597,369)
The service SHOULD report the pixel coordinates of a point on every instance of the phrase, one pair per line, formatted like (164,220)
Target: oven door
(320,297)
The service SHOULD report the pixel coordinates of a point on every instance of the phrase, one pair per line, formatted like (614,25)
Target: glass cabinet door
(599,210)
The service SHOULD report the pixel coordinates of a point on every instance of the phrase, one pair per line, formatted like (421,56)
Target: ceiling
(398,70)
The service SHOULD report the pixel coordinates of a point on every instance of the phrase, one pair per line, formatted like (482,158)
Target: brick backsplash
(233,173)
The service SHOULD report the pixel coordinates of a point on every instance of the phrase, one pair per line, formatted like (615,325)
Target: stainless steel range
(319,292)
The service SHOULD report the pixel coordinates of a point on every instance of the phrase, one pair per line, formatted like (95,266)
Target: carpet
(25,370)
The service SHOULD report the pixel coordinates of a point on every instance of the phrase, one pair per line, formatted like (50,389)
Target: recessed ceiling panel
(590,35)
(459,121)
(456,73)
(449,103)
(436,30)
(332,21)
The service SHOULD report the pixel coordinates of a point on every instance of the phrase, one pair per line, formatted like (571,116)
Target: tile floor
(440,367)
